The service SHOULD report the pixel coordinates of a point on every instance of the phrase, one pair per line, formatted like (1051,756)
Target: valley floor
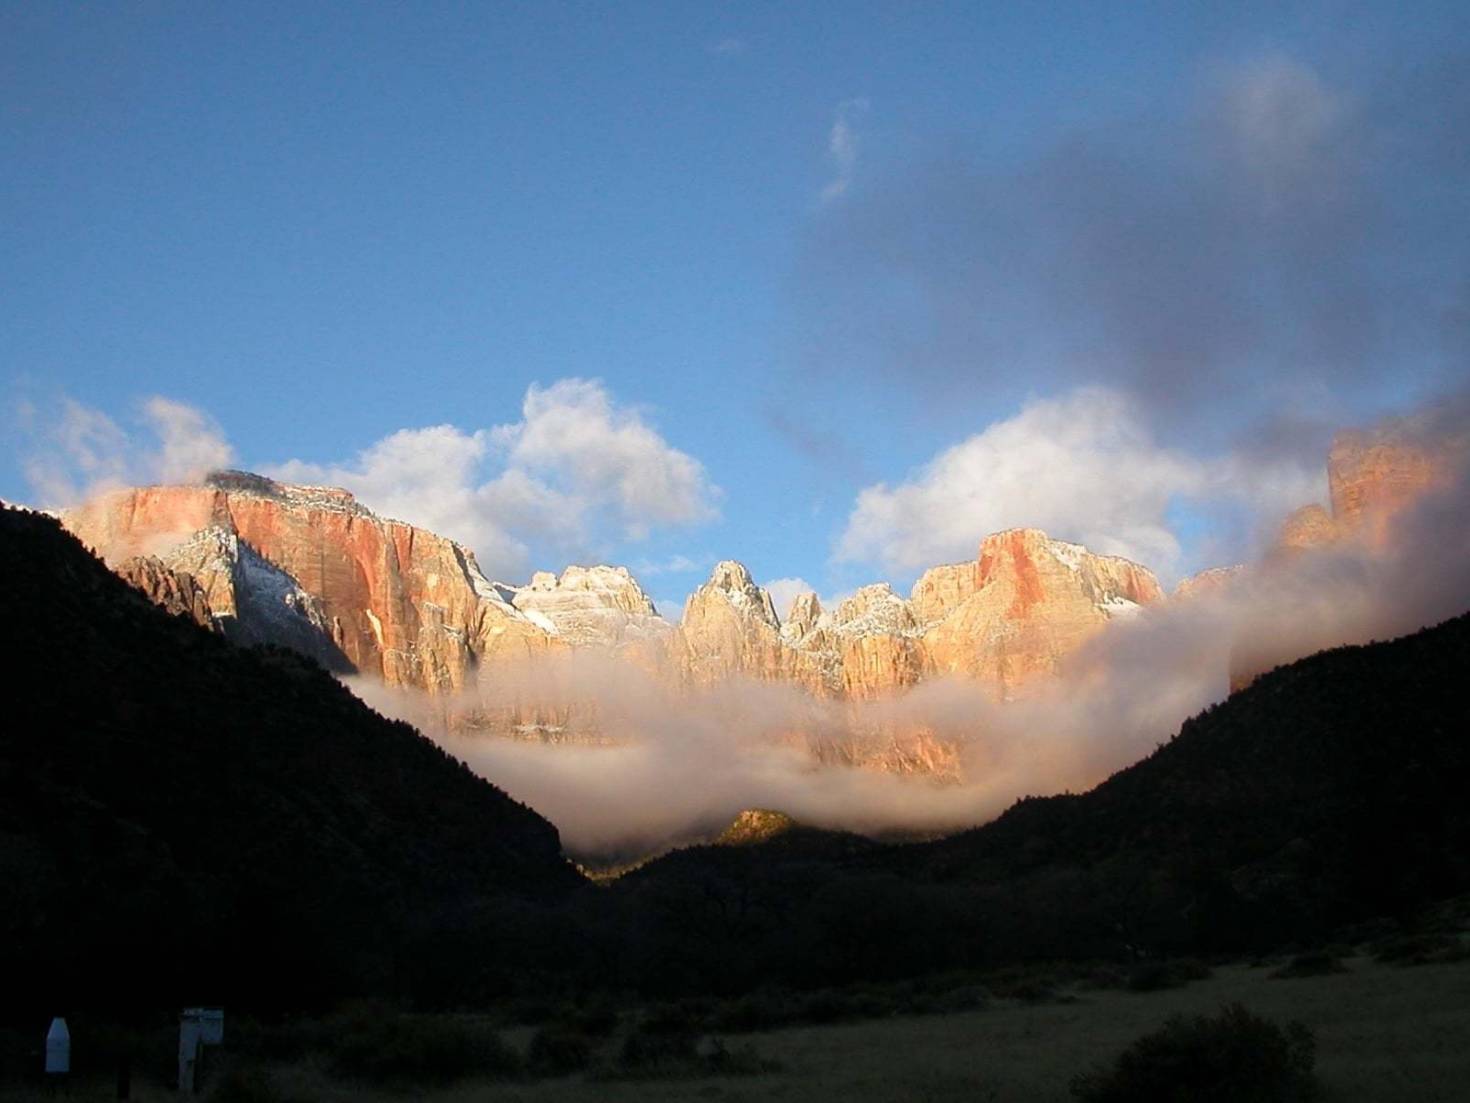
(1383,1033)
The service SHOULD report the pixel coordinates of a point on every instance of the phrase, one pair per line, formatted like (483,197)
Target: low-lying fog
(683,762)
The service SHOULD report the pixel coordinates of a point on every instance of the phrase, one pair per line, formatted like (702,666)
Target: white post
(58,1048)
(198,1027)
(190,1044)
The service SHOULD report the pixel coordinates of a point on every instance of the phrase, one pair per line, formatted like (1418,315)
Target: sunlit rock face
(879,645)
(730,628)
(911,751)
(591,606)
(395,602)
(174,592)
(1003,620)
(1210,582)
(1374,477)
(942,590)
(1035,600)
(1304,529)
(312,569)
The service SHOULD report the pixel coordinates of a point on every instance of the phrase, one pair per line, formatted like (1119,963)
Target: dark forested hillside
(1331,791)
(181,818)
(184,819)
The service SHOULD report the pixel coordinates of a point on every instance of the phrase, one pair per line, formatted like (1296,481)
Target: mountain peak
(803,617)
(732,581)
(601,605)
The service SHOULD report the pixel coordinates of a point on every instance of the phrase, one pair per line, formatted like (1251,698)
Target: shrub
(969,997)
(764,1009)
(1420,949)
(419,1049)
(1234,1057)
(249,1085)
(645,1055)
(657,1051)
(828,1005)
(1154,976)
(1104,976)
(596,1018)
(744,1061)
(681,1017)
(1309,965)
(558,1051)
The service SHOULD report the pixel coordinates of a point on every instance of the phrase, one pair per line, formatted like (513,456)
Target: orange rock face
(730,628)
(1003,620)
(312,569)
(1209,582)
(1035,600)
(397,602)
(413,609)
(942,590)
(173,591)
(1374,476)
(1306,528)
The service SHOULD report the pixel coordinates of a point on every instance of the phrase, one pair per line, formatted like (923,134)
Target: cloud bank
(1271,252)
(1085,467)
(578,470)
(683,762)
(76,451)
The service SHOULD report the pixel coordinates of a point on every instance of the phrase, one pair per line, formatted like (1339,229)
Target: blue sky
(809,249)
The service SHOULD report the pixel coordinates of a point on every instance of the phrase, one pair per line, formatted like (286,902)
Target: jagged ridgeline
(312,569)
(185,819)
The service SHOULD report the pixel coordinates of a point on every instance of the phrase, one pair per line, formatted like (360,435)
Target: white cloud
(674,564)
(1083,467)
(574,431)
(577,470)
(191,442)
(784,591)
(81,451)
(728,47)
(842,147)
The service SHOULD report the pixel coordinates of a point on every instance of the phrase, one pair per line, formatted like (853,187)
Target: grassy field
(1383,1033)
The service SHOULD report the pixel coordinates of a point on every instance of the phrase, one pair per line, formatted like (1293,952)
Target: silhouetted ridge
(1331,791)
(182,818)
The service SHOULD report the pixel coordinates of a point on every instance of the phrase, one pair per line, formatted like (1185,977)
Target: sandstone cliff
(591,606)
(173,591)
(393,601)
(1030,601)
(312,569)
(730,628)
(1373,477)
(1209,582)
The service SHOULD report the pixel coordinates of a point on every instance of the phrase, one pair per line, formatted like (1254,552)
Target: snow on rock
(591,606)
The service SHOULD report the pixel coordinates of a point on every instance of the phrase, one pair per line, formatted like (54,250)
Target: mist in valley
(669,763)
